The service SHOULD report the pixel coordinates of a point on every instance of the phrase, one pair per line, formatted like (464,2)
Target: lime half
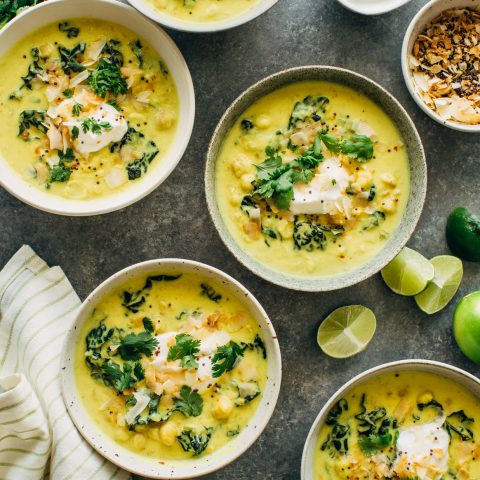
(346,331)
(445,283)
(408,273)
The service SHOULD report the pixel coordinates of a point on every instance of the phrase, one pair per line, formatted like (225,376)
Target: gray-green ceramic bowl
(445,370)
(418,175)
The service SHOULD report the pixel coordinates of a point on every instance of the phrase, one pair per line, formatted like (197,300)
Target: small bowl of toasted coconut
(441,62)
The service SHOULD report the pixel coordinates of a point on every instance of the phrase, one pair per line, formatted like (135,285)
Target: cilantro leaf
(275,179)
(225,358)
(358,147)
(184,349)
(133,345)
(190,403)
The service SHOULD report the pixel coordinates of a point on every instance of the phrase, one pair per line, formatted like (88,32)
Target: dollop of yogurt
(422,451)
(325,194)
(89,142)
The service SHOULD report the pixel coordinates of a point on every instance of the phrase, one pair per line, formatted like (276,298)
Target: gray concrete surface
(174,222)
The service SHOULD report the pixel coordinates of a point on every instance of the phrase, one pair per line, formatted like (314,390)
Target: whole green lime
(463,234)
(466,326)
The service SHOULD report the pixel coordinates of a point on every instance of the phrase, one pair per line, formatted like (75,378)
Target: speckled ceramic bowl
(171,469)
(418,175)
(426,14)
(442,369)
(148,9)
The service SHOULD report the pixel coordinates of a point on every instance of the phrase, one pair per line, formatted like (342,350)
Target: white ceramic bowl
(55,10)
(428,13)
(455,374)
(372,7)
(171,22)
(169,469)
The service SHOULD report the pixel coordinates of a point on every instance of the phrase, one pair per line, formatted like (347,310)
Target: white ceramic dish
(453,373)
(55,10)
(137,463)
(171,22)
(372,7)
(428,13)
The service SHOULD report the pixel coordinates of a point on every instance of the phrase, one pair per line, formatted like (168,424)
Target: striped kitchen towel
(37,438)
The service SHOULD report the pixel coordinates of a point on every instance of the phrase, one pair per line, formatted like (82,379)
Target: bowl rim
(171,22)
(60,206)
(274,378)
(409,363)
(282,279)
(424,17)
(378,10)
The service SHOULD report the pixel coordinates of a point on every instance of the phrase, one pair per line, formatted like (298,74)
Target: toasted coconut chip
(54,137)
(79,78)
(93,51)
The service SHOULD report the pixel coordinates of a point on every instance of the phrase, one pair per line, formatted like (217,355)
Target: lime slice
(445,283)
(408,273)
(463,234)
(346,331)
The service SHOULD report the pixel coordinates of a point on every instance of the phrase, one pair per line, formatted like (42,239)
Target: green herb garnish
(226,358)
(190,403)
(184,349)
(107,79)
(71,32)
(132,346)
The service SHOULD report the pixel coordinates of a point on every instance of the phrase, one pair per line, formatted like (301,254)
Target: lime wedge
(408,273)
(445,283)
(346,331)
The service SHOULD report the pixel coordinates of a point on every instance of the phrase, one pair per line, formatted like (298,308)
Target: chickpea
(388,179)
(153,433)
(164,119)
(364,179)
(168,434)
(241,166)
(246,181)
(263,121)
(285,228)
(425,397)
(121,435)
(388,205)
(223,407)
(139,441)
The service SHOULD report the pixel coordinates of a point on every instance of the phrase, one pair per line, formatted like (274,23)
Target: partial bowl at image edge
(457,375)
(418,174)
(109,10)
(137,463)
(170,21)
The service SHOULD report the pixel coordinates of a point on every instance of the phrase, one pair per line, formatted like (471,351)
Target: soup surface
(312,179)
(409,425)
(87,108)
(171,366)
(201,11)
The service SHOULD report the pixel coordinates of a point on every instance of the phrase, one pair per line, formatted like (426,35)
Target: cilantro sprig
(184,349)
(225,358)
(190,403)
(358,147)
(276,179)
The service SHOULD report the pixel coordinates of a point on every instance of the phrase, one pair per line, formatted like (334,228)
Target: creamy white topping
(199,379)
(422,451)
(88,141)
(325,194)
